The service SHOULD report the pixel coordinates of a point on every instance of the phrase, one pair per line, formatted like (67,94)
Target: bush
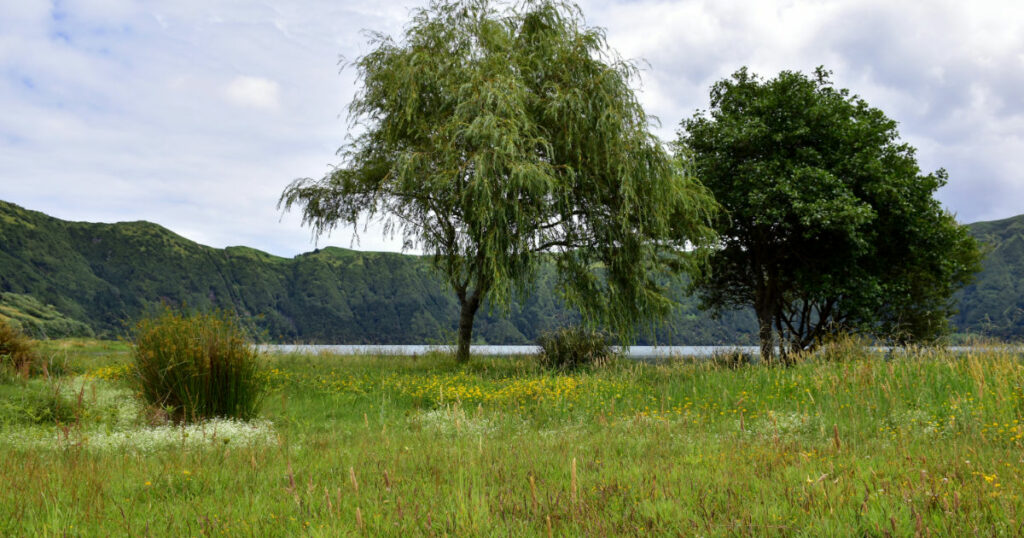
(732,359)
(35,402)
(17,350)
(570,348)
(196,366)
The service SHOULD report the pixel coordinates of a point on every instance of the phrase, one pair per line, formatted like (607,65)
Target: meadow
(848,442)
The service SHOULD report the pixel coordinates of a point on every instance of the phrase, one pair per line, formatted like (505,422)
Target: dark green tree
(491,136)
(829,224)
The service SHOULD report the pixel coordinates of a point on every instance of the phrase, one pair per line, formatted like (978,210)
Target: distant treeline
(61,278)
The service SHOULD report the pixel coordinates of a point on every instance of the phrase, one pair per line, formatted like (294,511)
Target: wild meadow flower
(208,434)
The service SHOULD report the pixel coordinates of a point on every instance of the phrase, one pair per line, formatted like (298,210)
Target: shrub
(35,402)
(732,359)
(196,366)
(570,348)
(17,350)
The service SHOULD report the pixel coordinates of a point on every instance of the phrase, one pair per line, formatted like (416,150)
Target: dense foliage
(831,224)
(35,401)
(17,350)
(571,348)
(40,320)
(993,305)
(495,134)
(196,366)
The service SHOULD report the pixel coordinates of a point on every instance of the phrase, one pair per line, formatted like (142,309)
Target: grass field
(930,443)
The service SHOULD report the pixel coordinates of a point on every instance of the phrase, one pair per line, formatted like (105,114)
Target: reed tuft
(571,348)
(17,351)
(197,366)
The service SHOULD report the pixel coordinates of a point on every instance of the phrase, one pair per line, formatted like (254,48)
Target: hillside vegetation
(60,278)
(106,275)
(38,320)
(994,304)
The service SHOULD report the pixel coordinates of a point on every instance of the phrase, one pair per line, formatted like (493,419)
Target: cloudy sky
(195,114)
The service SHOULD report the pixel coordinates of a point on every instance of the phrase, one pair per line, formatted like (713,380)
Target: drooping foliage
(830,224)
(90,277)
(491,135)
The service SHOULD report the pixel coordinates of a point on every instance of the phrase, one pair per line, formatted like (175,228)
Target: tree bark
(466,315)
(764,308)
(765,333)
(789,344)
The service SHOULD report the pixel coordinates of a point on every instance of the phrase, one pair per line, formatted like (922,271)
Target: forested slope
(994,304)
(103,276)
(77,278)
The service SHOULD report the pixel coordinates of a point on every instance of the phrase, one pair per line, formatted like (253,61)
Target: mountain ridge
(100,276)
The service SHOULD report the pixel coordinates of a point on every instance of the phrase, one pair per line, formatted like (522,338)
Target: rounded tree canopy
(831,225)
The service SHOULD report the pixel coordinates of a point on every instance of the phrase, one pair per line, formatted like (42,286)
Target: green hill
(994,304)
(99,277)
(39,320)
(77,278)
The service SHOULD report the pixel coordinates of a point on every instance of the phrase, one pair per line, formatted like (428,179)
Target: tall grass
(571,348)
(844,443)
(17,351)
(196,366)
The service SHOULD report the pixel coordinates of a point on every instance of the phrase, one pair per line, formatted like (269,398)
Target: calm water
(634,352)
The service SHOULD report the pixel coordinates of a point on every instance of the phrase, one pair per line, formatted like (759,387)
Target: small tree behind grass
(197,366)
(571,348)
(17,351)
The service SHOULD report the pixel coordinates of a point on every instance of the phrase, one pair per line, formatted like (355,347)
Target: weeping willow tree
(492,137)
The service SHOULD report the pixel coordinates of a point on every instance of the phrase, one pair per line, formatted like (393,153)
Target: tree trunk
(466,315)
(764,308)
(789,344)
(765,333)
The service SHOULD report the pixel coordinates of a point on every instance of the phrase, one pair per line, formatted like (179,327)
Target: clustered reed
(571,348)
(17,351)
(196,366)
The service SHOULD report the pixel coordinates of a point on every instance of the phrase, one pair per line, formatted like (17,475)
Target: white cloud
(195,114)
(102,11)
(252,92)
(949,72)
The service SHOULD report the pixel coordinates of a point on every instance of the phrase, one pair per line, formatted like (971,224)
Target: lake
(634,352)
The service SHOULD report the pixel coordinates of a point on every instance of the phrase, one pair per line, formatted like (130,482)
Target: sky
(196,114)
